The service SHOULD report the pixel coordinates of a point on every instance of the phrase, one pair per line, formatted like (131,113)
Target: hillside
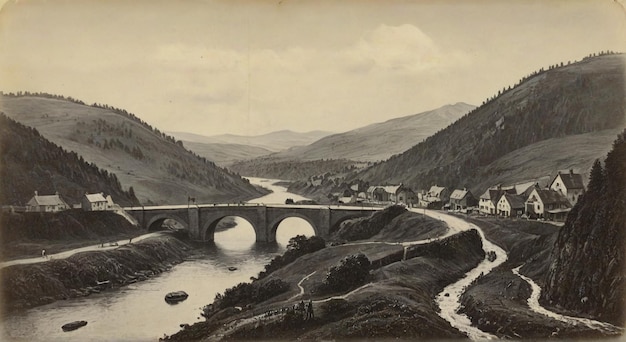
(586,273)
(157,166)
(379,141)
(274,141)
(226,154)
(501,139)
(29,163)
(269,167)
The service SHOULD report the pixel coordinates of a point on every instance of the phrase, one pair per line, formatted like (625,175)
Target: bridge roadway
(201,219)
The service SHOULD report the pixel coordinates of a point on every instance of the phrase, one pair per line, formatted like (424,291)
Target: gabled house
(569,185)
(511,205)
(47,203)
(94,202)
(488,201)
(435,197)
(547,203)
(377,194)
(462,199)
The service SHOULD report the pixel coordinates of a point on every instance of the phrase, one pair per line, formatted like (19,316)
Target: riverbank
(497,303)
(25,286)
(25,235)
(395,302)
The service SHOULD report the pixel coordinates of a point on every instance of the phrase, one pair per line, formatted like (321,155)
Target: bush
(351,272)
(298,246)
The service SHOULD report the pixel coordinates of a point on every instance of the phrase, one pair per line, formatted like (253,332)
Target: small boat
(73,325)
(232,268)
(175,297)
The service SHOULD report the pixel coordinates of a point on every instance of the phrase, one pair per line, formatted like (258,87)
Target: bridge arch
(273,226)
(207,231)
(156,221)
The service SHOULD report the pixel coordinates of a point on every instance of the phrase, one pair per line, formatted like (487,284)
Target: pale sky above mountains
(252,67)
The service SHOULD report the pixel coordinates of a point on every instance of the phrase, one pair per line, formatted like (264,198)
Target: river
(138,312)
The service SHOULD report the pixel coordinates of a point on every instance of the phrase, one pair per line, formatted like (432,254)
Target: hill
(156,165)
(379,141)
(274,141)
(536,121)
(226,154)
(29,163)
(586,273)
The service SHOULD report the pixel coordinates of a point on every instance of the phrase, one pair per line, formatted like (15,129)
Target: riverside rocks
(30,285)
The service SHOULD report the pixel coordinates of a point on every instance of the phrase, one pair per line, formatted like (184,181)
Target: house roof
(46,200)
(458,194)
(549,196)
(570,180)
(392,189)
(436,190)
(93,198)
(515,201)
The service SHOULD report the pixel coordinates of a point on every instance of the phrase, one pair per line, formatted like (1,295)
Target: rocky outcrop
(586,273)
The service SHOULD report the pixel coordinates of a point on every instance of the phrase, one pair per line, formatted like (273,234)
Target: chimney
(56,193)
(571,171)
(36,194)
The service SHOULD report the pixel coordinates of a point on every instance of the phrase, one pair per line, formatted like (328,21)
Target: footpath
(67,254)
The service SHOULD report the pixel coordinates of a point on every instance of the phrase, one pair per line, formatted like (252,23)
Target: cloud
(403,48)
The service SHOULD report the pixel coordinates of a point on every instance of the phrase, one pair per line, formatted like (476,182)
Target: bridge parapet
(201,220)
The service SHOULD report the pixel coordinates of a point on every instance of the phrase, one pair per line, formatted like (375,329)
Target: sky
(251,67)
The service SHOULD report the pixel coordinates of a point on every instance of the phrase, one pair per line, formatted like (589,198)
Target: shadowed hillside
(564,102)
(156,165)
(29,162)
(587,273)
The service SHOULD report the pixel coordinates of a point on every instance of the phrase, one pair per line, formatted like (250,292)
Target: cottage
(377,194)
(435,197)
(47,203)
(569,185)
(511,205)
(547,203)
(489,199)
(94,202)
(462,199)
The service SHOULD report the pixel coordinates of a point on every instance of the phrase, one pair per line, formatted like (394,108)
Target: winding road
(67,254)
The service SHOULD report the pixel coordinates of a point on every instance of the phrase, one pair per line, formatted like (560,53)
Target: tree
(352,271)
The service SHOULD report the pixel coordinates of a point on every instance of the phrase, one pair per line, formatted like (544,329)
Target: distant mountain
(555,119)
(379,141)
(29,163)
(156,165)
(275,141)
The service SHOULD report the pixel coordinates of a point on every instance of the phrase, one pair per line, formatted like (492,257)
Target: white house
(94,202)
(569,185)
(510,205)
(47,203)
(547,203)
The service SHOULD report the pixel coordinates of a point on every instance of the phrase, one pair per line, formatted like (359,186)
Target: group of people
(306,309)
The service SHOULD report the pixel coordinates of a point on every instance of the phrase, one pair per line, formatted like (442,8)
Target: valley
(425,264)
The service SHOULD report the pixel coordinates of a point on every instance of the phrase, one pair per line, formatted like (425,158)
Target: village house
(489,199)
(47,203)
(391,193)
(569,185)
(435,197)
(94,202)
(511,205)
(462,199)
(547,203)
(487,203)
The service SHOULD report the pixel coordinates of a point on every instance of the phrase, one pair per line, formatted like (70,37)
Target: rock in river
(175,297)
(73,325)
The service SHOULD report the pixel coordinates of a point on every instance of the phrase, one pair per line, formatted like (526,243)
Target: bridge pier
(193,215)
(263,231)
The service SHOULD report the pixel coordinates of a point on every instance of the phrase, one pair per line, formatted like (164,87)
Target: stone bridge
(201,220)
